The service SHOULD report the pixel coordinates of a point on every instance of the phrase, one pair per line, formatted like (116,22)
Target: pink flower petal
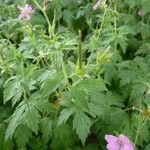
(25,12)
(110,138)
(113,146)
(118,143)
(127,147)
(30,7)
(20,16)
(26,6)
(124,138)
(28,17)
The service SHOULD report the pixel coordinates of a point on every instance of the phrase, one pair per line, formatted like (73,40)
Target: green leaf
(82,124)
(99,109)
(5,145)
(126,77)
(92,86)
(26,113)
(31,118)
(16,120)
(52,84)
(86,89)
(63,137)
(22,136)
(87,97)
(25,86)
(147,100)
(46,128)
(143,49)
(138,90)
(110,71)
(45,75)
(144,135)
(79,99)
(122,39)
(117,123)
(12,91)
(145,31)
(68,17)
(114,99)
(64,115)
(40,103)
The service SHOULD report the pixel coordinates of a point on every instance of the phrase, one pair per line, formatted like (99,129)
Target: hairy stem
(99,31)
(45,15)
(140,126)
(115,27)
(79,62)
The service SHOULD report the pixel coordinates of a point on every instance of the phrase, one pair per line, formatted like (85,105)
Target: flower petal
(29,7)
(110,138)
(28,17)
(20,16)
(26,6)
(127,147)
(124,138)
(113,146)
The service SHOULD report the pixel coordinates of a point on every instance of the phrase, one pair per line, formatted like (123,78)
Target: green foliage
(60,133)
(82,124)
(47,101)
(52,84)
(22,136)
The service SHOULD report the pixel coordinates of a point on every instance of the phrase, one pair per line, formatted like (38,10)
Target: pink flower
(118,143)
(96,5)
(25,12)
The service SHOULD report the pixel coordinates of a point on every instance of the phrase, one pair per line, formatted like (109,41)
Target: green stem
(99,31)
(80,51)
(115,27)
(24,94)
(78,81)
(45,15)
(65,74)
(138,130)
(64,71)
(48,22)
(1,54)
(102,23)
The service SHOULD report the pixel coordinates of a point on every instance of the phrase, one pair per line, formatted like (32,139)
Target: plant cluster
(74,74)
